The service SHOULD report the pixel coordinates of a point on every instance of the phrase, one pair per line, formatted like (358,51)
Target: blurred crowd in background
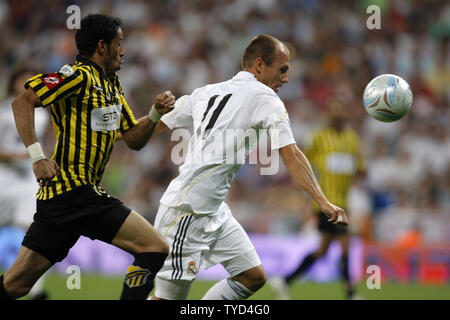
(181,45)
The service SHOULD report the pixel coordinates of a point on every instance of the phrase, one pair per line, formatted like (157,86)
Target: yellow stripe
(175,220)
(279,118)
(177,108)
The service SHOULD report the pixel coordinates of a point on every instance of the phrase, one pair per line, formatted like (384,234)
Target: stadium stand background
(181,45)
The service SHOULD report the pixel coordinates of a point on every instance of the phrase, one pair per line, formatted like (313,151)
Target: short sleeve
(181,115)
(53,87)
(127,119)
(272,112)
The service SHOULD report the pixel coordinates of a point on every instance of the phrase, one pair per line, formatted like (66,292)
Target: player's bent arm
(23,110)
(137,137)
(300,169)
(160,127)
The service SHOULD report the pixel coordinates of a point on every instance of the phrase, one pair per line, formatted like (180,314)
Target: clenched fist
(164,102)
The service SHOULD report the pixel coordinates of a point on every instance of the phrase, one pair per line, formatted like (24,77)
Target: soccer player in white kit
(193,216)
(17,181)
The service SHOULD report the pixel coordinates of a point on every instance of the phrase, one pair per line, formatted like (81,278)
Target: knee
(254,280)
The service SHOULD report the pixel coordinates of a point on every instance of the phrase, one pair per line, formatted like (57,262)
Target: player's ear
(259,65)
(101,47)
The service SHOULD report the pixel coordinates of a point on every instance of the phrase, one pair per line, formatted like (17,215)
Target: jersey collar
(244,75)
(87,61)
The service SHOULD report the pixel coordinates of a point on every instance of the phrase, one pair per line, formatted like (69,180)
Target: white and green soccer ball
(387,98)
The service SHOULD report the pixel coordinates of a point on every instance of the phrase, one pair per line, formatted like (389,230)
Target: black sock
(3,294)
(138,281)
(346,275)
(306,263)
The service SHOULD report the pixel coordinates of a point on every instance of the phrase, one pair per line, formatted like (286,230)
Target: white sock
(228,289)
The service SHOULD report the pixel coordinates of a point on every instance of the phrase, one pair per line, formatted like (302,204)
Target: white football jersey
(226,120)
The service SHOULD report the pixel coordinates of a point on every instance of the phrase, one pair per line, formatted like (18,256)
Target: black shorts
(59,222)
(328,227)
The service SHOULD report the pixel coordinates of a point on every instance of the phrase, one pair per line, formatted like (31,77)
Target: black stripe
(106,155)
(54,189)
(90,106)
(181,245)
(108,145)
(217,112)
(79,110)
(59,149)
(179,236)
(174,249)
(127,118)
(55,118)
(59,85)
(39,87)
(100,147)
(177,246)
(67,138)
(210,104)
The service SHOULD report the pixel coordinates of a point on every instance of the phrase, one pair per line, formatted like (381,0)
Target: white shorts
(200,241)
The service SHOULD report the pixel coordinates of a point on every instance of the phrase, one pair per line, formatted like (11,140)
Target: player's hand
(335,214)
(164,102)
(45,170)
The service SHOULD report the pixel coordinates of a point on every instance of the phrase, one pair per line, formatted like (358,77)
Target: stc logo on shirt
(110,116)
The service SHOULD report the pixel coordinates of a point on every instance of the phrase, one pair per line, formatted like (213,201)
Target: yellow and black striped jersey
(335,157)
(87,109)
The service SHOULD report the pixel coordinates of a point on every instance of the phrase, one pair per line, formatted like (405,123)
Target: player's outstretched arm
(138,136)
(23,109)
(300,169)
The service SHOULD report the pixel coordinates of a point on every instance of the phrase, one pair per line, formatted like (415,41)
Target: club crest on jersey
(136,276)
(66,70)
(192,268)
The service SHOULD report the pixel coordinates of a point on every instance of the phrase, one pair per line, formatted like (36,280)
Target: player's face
(336,113)
(115,53)
(276,74)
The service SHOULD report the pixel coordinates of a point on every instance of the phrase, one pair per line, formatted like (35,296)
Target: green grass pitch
(100,287)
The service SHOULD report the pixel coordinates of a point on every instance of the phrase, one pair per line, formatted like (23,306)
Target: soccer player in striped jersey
(88,109)
(192,215)
(335,156)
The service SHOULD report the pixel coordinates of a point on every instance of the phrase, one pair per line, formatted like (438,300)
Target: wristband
(35,152)
(154,115)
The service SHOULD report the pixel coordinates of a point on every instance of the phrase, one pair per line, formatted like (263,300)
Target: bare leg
(25,271)
(138,237)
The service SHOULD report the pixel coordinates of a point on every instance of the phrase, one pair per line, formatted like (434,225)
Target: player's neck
(337,126)
(98,61)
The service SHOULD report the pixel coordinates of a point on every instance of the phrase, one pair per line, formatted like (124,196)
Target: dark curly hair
(95,27)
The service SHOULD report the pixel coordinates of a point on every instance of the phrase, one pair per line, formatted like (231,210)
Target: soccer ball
(387,98)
